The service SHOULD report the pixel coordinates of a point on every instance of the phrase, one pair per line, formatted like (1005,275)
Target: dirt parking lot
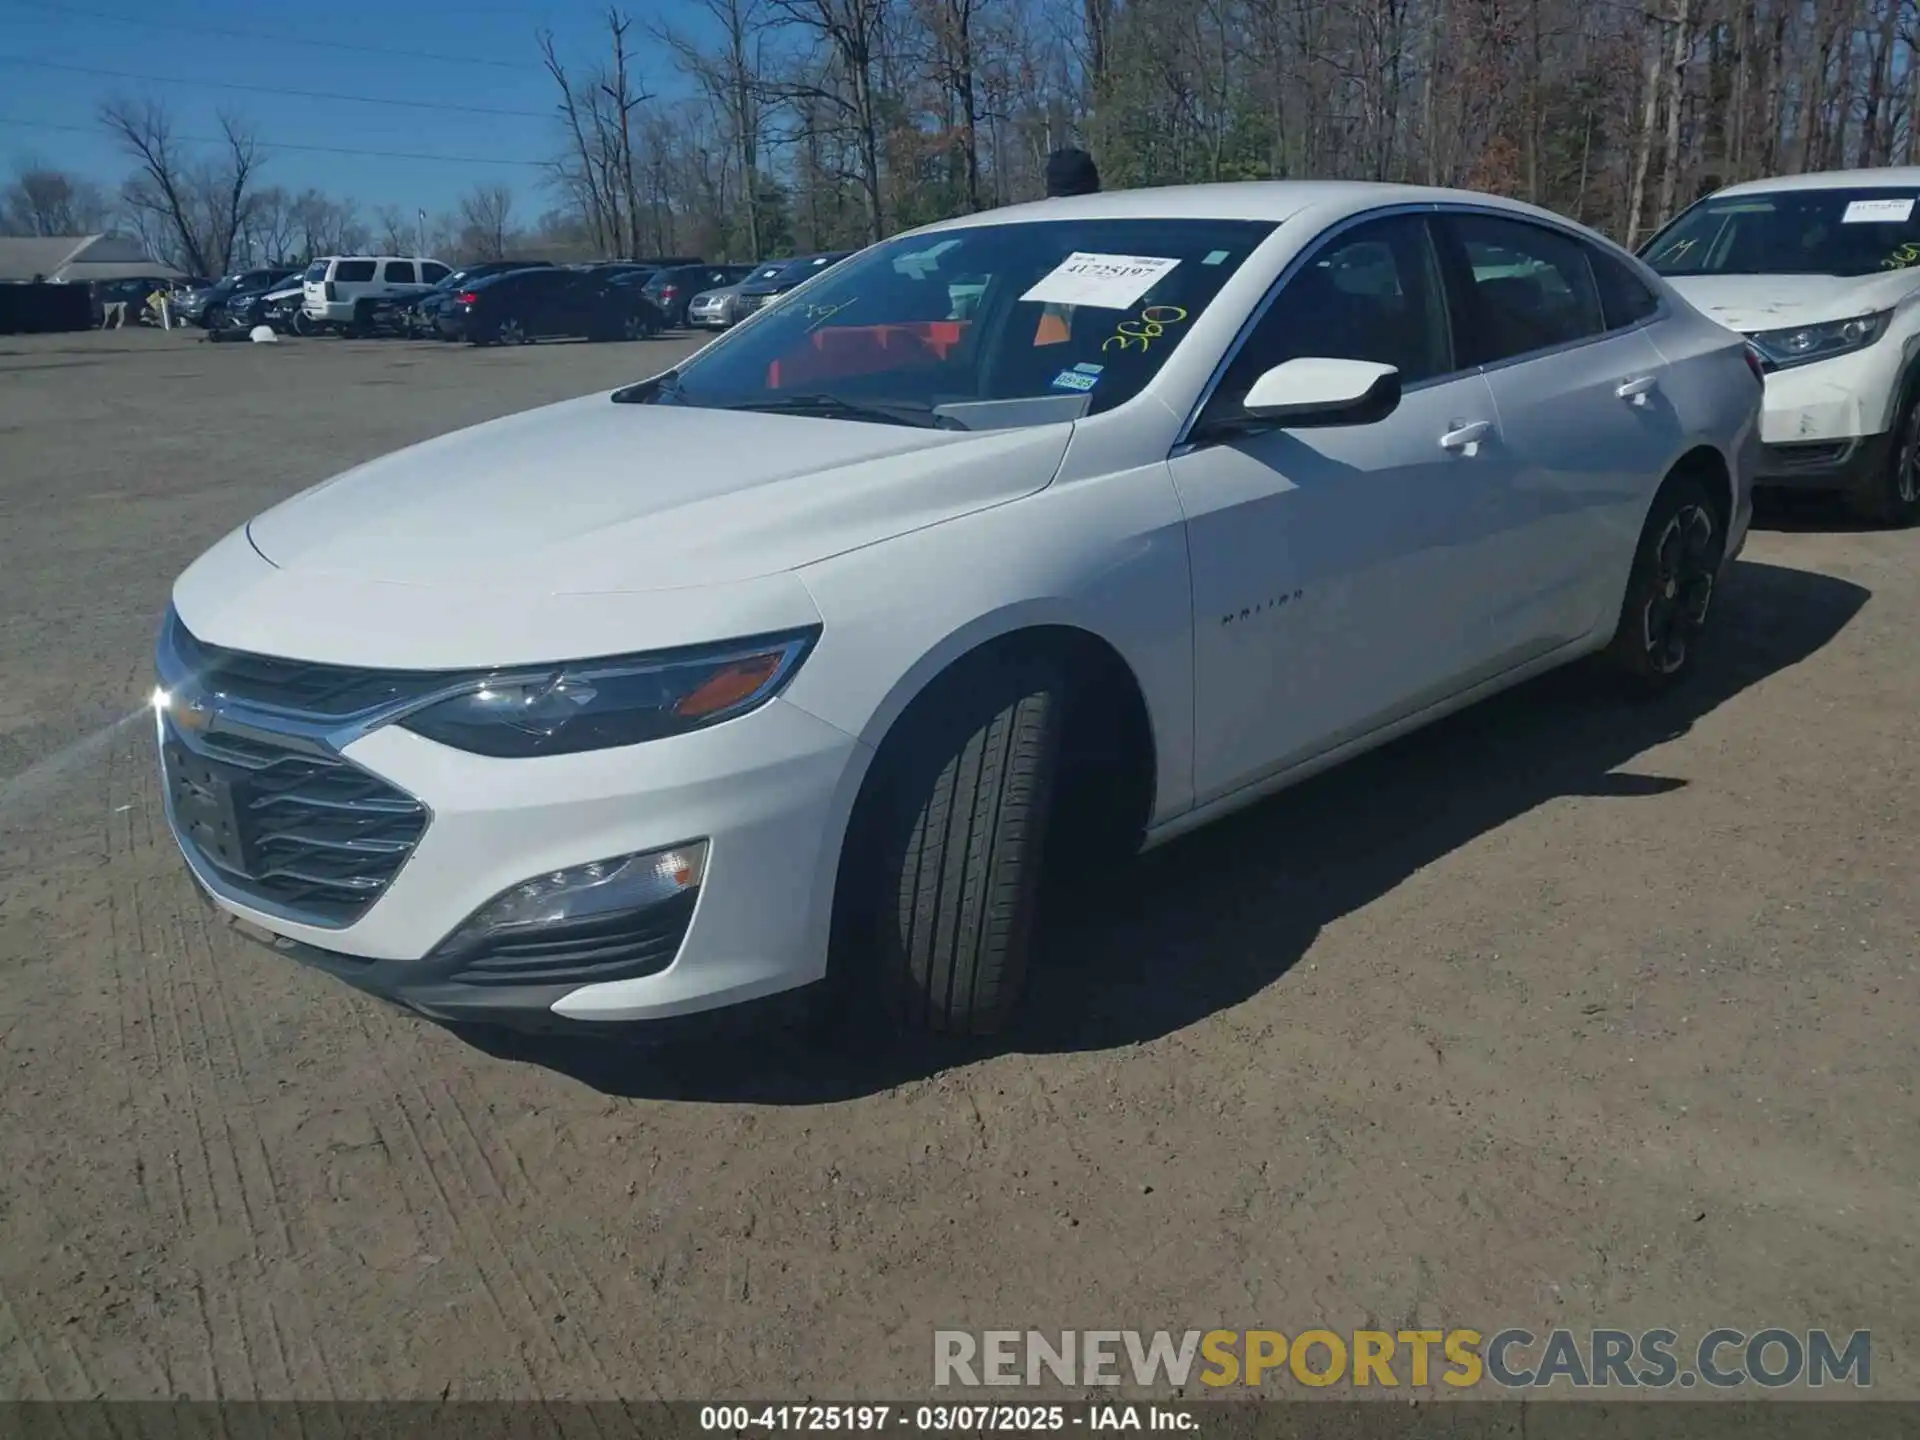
(1563,1013)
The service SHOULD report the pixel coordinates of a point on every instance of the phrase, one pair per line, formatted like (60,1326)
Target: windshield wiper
(838,407)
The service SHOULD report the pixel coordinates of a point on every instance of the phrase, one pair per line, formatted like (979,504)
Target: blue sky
(176,39)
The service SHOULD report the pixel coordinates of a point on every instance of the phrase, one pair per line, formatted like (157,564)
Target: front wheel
(951,883)
(1670,589)
(1891,496)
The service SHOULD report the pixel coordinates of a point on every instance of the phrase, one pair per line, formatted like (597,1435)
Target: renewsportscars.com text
(1514,1358)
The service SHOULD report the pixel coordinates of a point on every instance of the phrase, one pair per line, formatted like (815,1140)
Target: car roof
(1886,177)
(1273,200)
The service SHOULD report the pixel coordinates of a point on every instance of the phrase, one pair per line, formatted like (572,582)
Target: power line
(267,89)
(288,145)
(279,39)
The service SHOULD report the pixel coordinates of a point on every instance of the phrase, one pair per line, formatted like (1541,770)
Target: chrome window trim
(1183,442)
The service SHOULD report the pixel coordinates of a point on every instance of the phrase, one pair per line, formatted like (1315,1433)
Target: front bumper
(770,792)
(1838,464)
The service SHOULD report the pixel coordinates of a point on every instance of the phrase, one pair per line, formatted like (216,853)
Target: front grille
(321,692)
(584,952)
(306,834)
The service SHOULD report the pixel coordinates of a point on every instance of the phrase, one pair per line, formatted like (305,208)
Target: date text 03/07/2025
(944,1419)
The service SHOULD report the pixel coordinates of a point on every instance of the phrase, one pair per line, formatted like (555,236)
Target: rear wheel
(945,875)
(1891,496)
(511,332)
(1670,589)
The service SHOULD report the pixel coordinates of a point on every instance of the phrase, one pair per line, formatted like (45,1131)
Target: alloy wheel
(511,332)
(1906,475)
(1682,587)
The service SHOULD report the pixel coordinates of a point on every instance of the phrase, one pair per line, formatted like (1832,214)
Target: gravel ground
(1562,1013)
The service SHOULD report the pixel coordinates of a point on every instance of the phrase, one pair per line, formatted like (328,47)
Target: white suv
(1821,273)
(342,289)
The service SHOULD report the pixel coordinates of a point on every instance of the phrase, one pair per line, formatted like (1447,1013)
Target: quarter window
(1371,293)
(1624,296)
(353,270)
(1532,288)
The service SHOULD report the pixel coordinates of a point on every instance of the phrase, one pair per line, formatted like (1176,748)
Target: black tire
(952,880)
(1891,496)
(1670,589)
(302,323)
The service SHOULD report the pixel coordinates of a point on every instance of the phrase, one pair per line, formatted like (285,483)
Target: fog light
(623,884)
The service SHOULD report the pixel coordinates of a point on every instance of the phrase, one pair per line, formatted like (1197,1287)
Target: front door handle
(1465,435)
(1638,388)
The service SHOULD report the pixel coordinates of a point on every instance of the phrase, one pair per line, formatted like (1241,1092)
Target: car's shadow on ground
(1201,924)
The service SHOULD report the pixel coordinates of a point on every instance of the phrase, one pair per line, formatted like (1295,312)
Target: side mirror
(1320,391)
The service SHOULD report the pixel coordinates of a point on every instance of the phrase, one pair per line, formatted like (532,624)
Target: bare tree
(486,214)
(395,232)
(597,112)
(327,226)
(201,203)
(42,200)
(843,40)
(731,76)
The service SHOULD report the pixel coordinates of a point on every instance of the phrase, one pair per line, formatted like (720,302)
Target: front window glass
(1792,232)
(1372,293)
(1533,287)
(941,329)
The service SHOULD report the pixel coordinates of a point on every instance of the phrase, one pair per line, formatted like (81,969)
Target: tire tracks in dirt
(510,1269)
(225,1225)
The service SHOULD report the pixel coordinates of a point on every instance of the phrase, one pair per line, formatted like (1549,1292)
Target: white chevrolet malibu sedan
(1042,534)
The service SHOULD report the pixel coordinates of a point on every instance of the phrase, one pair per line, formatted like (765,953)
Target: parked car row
(503,302)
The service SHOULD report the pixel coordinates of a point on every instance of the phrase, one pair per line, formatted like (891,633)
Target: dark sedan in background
(779,277)
(522,306)
(673,289)
(419,315)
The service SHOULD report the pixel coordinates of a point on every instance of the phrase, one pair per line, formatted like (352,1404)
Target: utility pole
(421,234)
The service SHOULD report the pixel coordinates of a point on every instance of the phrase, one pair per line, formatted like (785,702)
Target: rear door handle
(1638,388)
(1465,436)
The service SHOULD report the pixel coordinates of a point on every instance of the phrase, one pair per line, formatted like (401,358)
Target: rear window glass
(353,270)
(399,272)
(316,271)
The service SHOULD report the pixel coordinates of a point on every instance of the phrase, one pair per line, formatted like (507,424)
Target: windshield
(943,329)
(1792,232)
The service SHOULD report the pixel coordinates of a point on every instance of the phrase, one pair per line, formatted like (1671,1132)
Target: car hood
(1751,303)
(590,497)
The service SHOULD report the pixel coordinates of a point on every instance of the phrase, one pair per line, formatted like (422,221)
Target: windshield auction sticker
(1106,282)
(1864,212)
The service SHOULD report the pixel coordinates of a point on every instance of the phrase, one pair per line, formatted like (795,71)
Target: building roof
(76,258)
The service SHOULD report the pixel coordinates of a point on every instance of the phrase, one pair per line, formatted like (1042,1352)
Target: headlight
(598,704)
(1805,343)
